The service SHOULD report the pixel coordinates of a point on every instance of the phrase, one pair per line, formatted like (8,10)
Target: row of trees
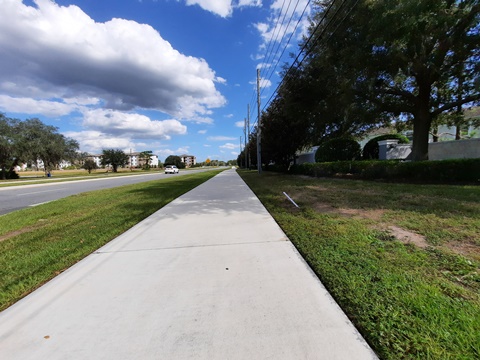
(26,142)
(413,63)
(29,141)
(177,161)
(215,162)
(117,158)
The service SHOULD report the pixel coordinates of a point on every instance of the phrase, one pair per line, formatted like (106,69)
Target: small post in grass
(289,198)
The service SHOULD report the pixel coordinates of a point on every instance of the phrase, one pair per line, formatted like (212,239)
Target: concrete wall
(307,156)
(390,149)
(458,149)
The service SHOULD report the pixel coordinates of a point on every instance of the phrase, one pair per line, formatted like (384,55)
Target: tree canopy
(31,140)
(114,157)
(175,160)
(368,63)
(146,156)
(89,165)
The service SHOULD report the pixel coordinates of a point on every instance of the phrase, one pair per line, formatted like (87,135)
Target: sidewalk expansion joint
(189,247)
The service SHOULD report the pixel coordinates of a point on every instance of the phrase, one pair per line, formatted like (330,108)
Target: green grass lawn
(403,261)
(38,243)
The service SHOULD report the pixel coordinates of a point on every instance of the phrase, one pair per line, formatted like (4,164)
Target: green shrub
(371,148)
(444,171)
(9,175)
(339,149)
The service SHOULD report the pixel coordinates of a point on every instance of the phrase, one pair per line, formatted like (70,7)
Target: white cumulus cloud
(94,142)
(50,51)
(132,125)
(229,146)
(222,8)
(220,138)
(249,3)
(167,152)
(32,106)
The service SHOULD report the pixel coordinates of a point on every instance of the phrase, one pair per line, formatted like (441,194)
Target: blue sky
(170,76)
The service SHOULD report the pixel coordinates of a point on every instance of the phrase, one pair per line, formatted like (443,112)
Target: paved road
(209,276)
(19,197)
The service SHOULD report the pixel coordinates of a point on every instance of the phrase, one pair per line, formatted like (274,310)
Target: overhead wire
(271,41)
(310,49)
(267,55)
(279,29)
(274,67)
(303,48)
(290,38)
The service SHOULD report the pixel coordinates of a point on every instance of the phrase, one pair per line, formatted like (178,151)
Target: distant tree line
(177,161)
(369,64)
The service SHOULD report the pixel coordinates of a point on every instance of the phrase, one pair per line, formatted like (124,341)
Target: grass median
(403,261)
(38,177)
(38,243)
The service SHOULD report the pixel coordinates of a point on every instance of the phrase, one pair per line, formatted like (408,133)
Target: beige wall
(457,149)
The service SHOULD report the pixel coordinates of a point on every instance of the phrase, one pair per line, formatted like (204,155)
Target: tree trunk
(422,119)
(435,134)
(421,129)
(458,131)
(13,166)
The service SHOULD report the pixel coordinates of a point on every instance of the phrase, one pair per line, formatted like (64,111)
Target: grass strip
(38,243)
(409,302)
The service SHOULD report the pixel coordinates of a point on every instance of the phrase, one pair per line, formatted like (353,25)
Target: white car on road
(171,169)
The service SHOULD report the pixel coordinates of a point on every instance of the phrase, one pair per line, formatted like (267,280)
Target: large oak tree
(31,140)
(411,59)
(114,157)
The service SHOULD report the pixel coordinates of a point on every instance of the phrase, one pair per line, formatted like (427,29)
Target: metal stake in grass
(289,198)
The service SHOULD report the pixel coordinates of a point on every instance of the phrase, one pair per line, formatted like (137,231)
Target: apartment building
(188,160)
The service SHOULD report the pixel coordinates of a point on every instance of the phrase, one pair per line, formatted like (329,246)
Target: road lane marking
(33,205)
(39,192)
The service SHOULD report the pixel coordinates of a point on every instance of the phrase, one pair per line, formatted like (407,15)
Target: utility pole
(131,159)
(248,136)
(241,152)
(245,141)
(259,126)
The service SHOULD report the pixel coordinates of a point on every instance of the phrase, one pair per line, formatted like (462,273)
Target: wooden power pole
(259,127)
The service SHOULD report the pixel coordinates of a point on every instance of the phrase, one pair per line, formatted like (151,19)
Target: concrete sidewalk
(209,276)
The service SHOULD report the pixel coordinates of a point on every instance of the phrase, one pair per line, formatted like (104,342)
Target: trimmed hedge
(444,171)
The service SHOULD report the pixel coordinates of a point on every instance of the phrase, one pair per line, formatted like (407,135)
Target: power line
(282,25)
(270,42)
(290,38)
(315,42)
(273,38)
(267,56)
(283,36)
